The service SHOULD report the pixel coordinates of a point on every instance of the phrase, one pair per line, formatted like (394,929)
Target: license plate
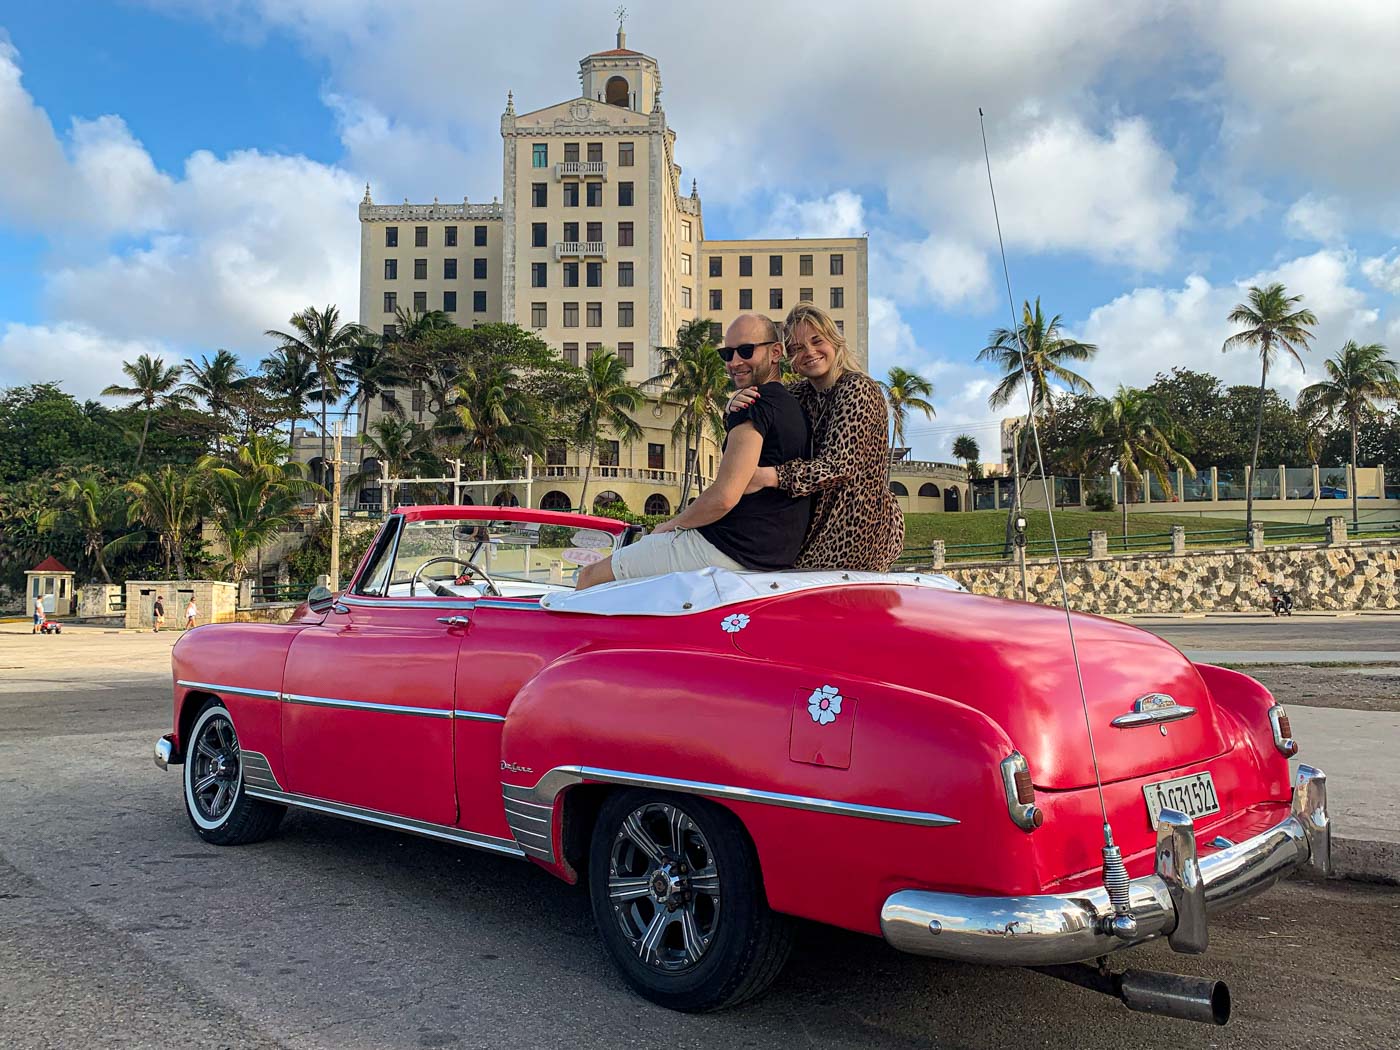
(1194,795)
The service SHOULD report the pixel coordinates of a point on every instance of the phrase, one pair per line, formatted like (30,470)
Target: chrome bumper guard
(165,753)
(1075,927)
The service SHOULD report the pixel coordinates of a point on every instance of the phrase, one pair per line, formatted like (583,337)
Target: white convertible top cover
(686,593)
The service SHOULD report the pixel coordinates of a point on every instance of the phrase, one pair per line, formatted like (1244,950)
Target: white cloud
(83,359)
(1384,271)
(1316,219)
(944,270)
(839,214)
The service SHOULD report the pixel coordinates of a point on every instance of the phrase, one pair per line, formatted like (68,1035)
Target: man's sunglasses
(744,350)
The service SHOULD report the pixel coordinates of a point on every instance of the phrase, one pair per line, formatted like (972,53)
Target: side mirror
(320,599)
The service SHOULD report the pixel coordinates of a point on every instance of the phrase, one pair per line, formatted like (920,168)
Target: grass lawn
(989,526)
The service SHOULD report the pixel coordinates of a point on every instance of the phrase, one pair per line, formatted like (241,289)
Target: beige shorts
(684,550)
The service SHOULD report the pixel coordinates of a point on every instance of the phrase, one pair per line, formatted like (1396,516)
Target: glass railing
(1298,481)
(1229,484)
(1333,484)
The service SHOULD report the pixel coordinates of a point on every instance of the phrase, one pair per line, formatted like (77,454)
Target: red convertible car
(714,752)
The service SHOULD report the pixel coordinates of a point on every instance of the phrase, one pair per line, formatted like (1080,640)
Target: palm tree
(94,509)
(697,382)
(498,421)
(320,336)
(256,498)
(394,443)
(373,369)
(965,448)
(153,384)
(1133,430)
(1357,378)
(905,391)
(169,504)
(1271,322)
(1046,353)
(290,376)
(217,382)
(605,400)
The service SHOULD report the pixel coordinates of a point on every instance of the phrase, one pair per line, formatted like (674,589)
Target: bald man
(722,527)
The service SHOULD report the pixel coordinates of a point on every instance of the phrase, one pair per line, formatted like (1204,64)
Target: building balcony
(581,169)
(564,249)
(572,473)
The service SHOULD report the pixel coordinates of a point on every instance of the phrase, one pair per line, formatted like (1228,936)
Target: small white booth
(49,583)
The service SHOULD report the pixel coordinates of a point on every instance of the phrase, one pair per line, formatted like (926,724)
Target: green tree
(1046,353)
(695,380)
(498,421)
(319,336)
(372,370)
(216,382)
(608,400)
(255,499)
(42,429)
(396,444)
(94,509)
(1270,322)
(1133,430)
(169,504)
(905,391)
(289,377)
(1358,377)
(153,384)
(965,448)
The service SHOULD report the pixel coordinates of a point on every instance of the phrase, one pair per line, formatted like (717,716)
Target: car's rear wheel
(220,810)
(679,902)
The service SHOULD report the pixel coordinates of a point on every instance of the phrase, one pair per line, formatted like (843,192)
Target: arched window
(929,489)
(616,92)
(505,498)
(467,500)
(318,471)
(657,504)
(555,500)
(606,497)
(371,468)
(951,498)
(898,489)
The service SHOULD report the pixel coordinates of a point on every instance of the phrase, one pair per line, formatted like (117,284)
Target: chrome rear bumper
(1171,902)
(165,752)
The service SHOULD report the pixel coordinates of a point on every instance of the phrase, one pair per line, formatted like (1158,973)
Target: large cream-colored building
(593,243)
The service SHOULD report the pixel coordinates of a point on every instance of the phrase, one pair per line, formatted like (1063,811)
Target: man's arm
(736,467)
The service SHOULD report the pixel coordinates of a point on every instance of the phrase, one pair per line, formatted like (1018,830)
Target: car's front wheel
(219,809)
(679,902)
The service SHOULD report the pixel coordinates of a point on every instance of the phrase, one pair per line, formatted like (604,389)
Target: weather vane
(621,14)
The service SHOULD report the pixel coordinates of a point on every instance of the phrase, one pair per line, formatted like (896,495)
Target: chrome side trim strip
(262,694)
(478,716)
(257,772)
(489,603)
(442,832)
(530,821)
(365,705)
(427,603)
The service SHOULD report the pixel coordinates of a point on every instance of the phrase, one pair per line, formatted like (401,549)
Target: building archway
(930,490)
(555,500)
(617,92)
(952,498)
(657,504)
(505,498)
(898,489)
(606,497)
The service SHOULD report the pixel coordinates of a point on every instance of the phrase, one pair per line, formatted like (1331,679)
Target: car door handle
(454,621)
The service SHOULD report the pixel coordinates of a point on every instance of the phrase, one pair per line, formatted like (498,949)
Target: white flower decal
(824,704)
(734,624)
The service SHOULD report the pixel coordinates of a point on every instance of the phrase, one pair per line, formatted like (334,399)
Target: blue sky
(184,172)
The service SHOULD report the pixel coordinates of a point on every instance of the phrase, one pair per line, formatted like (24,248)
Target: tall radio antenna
(1115,875)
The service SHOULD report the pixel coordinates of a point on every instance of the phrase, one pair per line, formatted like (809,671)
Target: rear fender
(1245,703)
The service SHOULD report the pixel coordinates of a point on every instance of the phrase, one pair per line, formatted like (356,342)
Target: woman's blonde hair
(821,322)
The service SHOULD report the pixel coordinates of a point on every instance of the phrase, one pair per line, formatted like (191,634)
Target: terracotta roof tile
(614,51)
(51,565)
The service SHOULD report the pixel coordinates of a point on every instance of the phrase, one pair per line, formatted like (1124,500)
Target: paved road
(118,927)
(1371,634)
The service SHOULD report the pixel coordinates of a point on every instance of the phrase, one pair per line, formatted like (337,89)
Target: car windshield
(444,558)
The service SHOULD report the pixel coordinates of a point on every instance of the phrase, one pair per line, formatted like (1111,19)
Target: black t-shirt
(765,529)
(158,609)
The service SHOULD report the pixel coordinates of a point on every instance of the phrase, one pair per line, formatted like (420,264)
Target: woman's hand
(763,478)
(742,399)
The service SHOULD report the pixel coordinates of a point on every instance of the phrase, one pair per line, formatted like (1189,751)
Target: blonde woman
(856,522)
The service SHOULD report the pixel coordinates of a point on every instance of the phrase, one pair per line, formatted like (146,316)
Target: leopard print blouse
(856,522)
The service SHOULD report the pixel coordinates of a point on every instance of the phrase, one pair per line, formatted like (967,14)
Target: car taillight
(1020,792)
(1283,731)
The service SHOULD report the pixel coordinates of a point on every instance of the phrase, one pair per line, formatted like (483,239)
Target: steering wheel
(491,587)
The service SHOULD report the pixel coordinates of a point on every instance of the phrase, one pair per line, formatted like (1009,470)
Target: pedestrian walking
(191,611)
(38,615)
(158,613)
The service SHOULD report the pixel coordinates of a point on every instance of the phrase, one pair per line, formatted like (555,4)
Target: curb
(1365,860)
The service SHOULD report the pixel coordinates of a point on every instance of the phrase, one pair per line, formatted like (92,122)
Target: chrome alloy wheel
(215,768)
(663,883)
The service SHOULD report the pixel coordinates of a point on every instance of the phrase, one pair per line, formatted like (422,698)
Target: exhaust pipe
(1169,994)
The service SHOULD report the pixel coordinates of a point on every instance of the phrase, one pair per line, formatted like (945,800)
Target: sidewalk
(1294,656)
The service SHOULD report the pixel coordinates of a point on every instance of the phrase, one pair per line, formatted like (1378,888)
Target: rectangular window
(716,332)
(624,275)
(449,236)
(745,298)
(540,155)
(479,269)
(595,315)
(775,266)
(558,455)
(624,194)
(420,236)
(746,266)
(391,269)
(391,236)
(420,269)
(571,275)
(716,299)
(624,234)
(478,302)
(386,402)
(595,152)
(838,298)
(591,351)
(595,275)
(571,315)
(571,194)
(420,302)
(539,234)
(595,195)
(539,194)
(479,236)
(626,354)
(449,269)
(391,302)
(571,356)
(571,152)
(685,229)
(417,399)
(805,295)
(595,231)
(841,327)
(624,154)
(838,265)
(716,266)
(539,275)
(775,298)
(607,454)
(539,315)
(685,264)
(656,457)
(804,266)
(624,315)
(449,302)
(390,331)
(685,297)
(571,232)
